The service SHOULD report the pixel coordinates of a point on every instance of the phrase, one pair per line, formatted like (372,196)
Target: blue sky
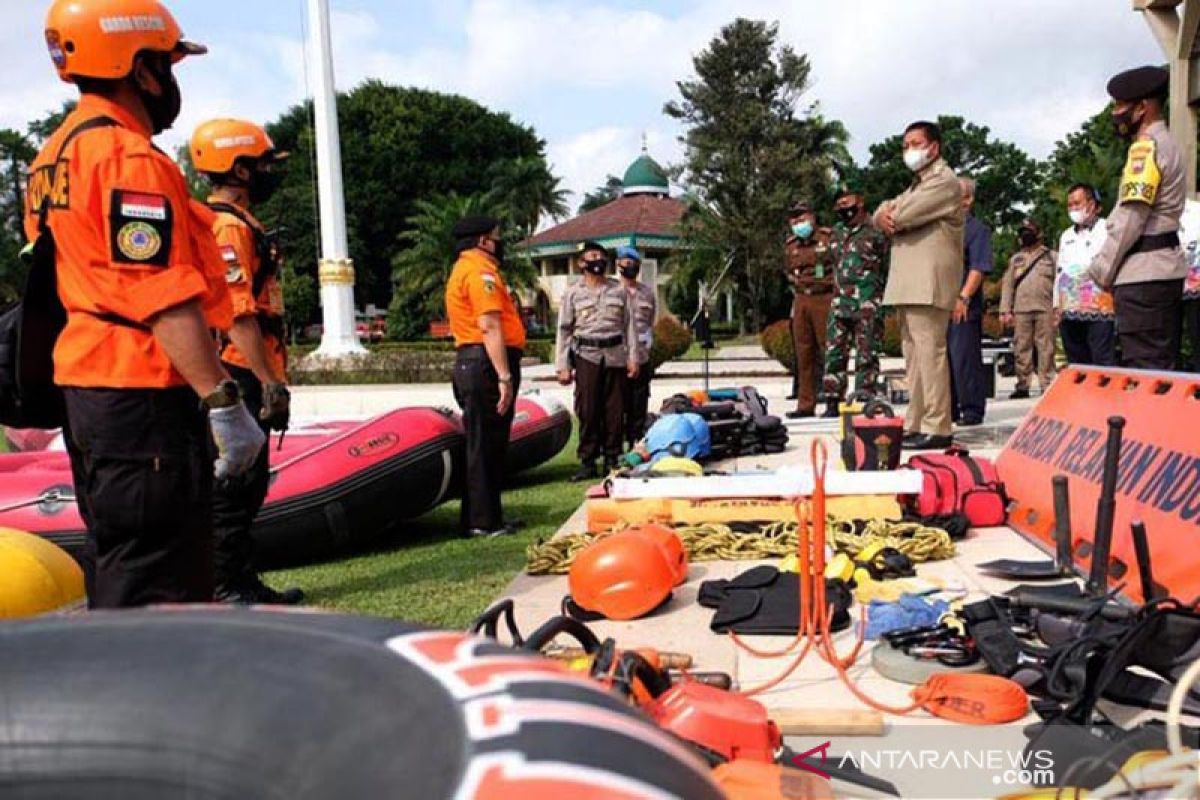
(591,77)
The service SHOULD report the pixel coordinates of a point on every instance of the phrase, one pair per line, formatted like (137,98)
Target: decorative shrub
(671,340)
(776,340)
(389,366)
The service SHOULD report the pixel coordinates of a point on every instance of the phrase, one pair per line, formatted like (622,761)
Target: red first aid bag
(955,482)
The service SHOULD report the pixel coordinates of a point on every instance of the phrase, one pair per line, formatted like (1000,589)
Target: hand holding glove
(238,438)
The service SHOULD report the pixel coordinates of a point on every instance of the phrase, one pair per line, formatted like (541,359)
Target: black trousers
(637,400)
(477,390)
(143,473)
(968,381)
(600,406)
(1148,323)
(236,503)
(1191,329)
(1089,342)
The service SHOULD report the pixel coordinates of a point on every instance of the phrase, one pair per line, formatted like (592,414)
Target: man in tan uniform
(1141,261)
(1027,306)
(644,303)
(598,349)
(809,261)
(925,224)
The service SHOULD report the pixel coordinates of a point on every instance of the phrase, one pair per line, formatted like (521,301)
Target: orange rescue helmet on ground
(101,38)
(672,545)
(218,144)
(626,575)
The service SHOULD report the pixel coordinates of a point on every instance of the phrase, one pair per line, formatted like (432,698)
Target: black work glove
(277,406)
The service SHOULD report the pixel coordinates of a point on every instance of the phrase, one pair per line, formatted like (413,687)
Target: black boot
(1020,393)
(831,410)
(252,591)
(586,472)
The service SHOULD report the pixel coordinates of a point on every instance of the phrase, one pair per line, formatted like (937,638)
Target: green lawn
(430,574)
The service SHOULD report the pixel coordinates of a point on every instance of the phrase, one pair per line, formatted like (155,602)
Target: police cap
(589,246)
(625,251)
(469,227)
(1139,84)
(847,189)
(800,207)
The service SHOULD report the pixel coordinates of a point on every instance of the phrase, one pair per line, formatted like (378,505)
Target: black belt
(1154,241)
(610,341)
(467,349)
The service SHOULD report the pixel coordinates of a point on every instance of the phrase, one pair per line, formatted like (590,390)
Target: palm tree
(525,189)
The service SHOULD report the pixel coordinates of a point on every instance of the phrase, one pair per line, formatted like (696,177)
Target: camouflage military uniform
(856,319)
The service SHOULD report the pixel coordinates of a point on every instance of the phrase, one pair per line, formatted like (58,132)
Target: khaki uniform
(1027,292)
(1141,260)
(644,303)
(924,279)
(596,329)
(810,268)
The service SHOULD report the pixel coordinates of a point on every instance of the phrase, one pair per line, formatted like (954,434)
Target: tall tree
(750,152)
(398,145)
(601,195)
(527,191)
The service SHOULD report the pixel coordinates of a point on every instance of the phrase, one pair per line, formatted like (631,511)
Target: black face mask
(163,108)
(498,250)
(597,267)
(847,214)
(1124,125)
(263,185)
(1028,238)
(630,272)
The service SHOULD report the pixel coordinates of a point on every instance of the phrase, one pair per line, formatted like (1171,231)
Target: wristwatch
(227,394)
(965,298)
(505,379)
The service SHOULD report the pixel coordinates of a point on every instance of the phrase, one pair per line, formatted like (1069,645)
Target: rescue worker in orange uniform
(489,340)
(140,277)
(238,159)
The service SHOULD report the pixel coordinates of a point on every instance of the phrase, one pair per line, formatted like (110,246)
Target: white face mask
(1078,216)
(915,158)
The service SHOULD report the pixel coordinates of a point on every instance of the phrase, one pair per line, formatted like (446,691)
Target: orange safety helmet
(625,575)
(100,38)
(672,546)
(219,143)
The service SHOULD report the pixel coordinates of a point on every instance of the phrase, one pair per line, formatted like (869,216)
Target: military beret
(476,225)
(800,207)
(848,189)
(625,251)
(590,245)
(1138,84)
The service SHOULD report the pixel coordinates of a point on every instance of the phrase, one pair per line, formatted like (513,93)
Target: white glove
(238,439)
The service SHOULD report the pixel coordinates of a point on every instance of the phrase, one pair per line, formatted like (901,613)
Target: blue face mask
(803,229)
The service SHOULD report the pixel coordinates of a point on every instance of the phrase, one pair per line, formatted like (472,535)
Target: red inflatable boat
(334,485)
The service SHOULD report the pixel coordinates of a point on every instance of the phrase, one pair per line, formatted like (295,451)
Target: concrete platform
(683,626)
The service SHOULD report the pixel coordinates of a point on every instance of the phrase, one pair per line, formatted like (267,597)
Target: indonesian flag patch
(233,266)
(140,228)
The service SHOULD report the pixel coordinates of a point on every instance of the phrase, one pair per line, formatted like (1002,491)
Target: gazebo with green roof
(645,216)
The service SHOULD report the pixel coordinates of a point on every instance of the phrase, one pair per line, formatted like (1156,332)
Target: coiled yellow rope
(715,542)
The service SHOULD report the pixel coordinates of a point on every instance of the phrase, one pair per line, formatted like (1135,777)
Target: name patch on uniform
(140,225)
(1141,178)
(233,267)
(133,23)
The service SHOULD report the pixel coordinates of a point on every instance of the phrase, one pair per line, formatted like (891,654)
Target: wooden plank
(828,721)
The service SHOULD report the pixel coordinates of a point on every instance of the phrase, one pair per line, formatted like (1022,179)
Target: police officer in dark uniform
(1141,261)
(489,339)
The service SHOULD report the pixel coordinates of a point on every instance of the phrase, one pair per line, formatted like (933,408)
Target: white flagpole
(336,269)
